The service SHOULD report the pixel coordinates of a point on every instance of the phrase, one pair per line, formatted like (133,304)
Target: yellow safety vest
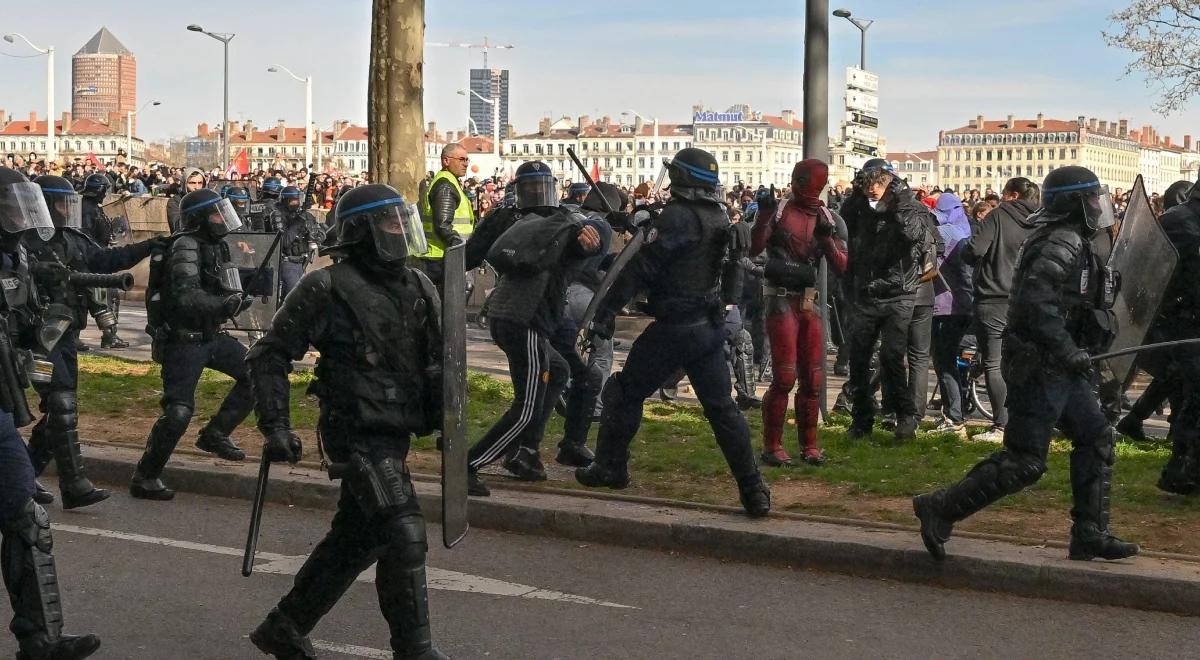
(464,217)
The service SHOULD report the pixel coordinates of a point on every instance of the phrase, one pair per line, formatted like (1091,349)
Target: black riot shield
(1144,259)
(256,256)
(610,277)
(454,397)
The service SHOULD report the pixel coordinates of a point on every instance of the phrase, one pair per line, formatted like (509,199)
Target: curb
(1159,582)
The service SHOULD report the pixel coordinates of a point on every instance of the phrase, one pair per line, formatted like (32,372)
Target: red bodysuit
(797,350)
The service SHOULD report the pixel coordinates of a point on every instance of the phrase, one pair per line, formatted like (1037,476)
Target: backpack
(155,283)
(533,244)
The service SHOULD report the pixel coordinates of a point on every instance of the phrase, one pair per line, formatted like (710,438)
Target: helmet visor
(218,215)
(23,207)
(66,207)
(397,232)
(536,189)
(1099,210)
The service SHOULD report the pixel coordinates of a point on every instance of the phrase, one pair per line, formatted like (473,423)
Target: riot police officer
(271,187)
(1061,298)
(681,266)
(96,225)
(576,194)
(69,249)
(199,290)
(239,197)
(301,235)
(29,572)
(376,323)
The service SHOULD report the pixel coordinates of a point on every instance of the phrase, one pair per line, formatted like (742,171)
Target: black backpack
(534,243)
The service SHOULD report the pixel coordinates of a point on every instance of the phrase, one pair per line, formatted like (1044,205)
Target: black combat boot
(526,465)
(994,477)
(32,583)
(906,428)
(109,339)
(1091,483)
(77,490)
(164,435)
(1131,426)
(41,495)
(279,636)
(215,442)
(611,466)
(475,485)
(755,496)
(574,455)
(1181,474)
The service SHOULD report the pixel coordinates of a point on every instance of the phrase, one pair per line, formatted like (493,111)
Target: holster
(376,485)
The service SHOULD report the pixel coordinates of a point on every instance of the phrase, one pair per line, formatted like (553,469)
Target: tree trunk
(395,123)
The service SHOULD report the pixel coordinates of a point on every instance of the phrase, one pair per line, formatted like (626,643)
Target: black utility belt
(295,260)
(808,293)
(188,336)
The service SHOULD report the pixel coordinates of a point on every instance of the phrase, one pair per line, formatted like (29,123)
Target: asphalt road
(161,580)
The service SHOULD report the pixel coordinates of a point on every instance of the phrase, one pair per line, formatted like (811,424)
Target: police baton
(588,177)
(256,510)
(1145,347)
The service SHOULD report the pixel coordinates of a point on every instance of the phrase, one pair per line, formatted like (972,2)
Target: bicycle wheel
(982,407)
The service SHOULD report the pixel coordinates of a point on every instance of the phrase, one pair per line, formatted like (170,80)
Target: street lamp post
(495,119)
(129,129)
(653,145)
(862,25)
(307,80)
(224,38)
(48,51)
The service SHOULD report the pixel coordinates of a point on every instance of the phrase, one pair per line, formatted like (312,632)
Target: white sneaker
(950,426)
(995,435)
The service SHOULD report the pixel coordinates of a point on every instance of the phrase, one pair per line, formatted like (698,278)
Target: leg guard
(165,434)
(612,446)
(62,420)
(400,583)
(40,452)
(1091,484)
(1181,474)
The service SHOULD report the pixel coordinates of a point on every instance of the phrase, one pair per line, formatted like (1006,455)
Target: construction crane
(485,47)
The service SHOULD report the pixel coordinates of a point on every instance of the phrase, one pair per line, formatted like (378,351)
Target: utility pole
(394,92)
(816,80)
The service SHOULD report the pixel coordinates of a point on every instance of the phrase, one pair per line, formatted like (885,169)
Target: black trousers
(948,331)
(538,375)
(920,341)
(662,349)
(584,389)
(888,322)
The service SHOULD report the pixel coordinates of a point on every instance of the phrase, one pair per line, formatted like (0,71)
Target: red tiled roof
(778,122)
(1021,126)
(78,127)
(477,144)
(352,133)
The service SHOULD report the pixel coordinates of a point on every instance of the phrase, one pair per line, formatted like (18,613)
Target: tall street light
(862,25)
(224,38)
(307,80)
(653,145)
(495,119)
(129,130)
(48,51)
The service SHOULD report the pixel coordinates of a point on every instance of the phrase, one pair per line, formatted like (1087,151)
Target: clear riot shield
(256,256)
(454,397)
(1145,259)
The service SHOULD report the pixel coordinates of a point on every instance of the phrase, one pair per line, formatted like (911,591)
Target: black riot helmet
(611,193)
(535,185)
(292,197)
(271,187)
(578,192)
(206,212)
(239,197)
(1074,194)
(376,215)
(22,207)
(96,186)
(1177,193)
(65,205)
(693,168)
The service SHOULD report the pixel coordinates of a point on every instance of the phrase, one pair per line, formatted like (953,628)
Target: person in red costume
(795,237)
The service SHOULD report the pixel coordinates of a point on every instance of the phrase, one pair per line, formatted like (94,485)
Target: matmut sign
(718,117)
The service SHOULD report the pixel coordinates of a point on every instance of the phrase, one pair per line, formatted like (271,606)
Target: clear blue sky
(940,61)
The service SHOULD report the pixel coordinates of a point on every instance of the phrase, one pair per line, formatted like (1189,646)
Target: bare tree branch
(1164,35)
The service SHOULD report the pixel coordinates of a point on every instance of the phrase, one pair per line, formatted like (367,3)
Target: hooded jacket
(886,244)
(993,249)
(953,290)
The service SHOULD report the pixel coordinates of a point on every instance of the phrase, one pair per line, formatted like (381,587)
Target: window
(737,156)
(641,145)
(724,156)
(628,162)
(525,148)
(1074,154)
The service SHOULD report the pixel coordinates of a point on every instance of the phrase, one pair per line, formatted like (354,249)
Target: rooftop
(104,43)
(1038,125)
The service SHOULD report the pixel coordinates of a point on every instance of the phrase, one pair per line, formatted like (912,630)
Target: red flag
(91,158)
(240,163)
(595,170)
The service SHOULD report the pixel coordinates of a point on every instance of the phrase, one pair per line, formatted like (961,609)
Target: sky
(940,62)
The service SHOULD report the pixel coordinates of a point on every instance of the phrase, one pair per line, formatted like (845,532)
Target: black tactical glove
(765,198)
(234,304)
(824,228)
(158,242)
(282,445)
(1079,362)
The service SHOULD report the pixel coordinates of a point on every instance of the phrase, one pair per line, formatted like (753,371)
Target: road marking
(277,564)
(350,649)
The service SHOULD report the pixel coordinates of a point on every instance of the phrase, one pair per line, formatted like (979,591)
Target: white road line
(350,649)
(277,564)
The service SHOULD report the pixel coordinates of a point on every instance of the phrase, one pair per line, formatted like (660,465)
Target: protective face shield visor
(66,207)
(395,229)
(291,203)
(23,207)
(241,204)
(536,189)
(1098,210)
(218,215)
(1094,201)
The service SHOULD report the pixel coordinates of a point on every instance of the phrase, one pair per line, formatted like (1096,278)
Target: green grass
(674,454)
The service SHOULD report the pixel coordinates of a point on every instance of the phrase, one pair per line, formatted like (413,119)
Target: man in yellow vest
(446,212)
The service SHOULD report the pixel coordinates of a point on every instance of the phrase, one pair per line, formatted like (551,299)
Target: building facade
(75,139)
(490,84)
(919,169)
(104,80)
(751,148)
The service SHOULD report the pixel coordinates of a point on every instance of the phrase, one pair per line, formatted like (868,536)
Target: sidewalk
(1153,581)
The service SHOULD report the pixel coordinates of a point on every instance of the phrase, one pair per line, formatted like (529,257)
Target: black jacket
(992,249)
(1180,312)
(887,244)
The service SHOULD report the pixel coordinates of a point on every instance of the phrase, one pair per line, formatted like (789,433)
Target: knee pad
(1017,470)
(62,413)
(32,526)
(175,416)
(404,537)
(614,392)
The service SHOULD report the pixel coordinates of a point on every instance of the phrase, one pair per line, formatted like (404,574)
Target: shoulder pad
(185,242)
(312,295)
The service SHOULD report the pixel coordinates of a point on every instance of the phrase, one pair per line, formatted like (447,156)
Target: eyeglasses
(461,159)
